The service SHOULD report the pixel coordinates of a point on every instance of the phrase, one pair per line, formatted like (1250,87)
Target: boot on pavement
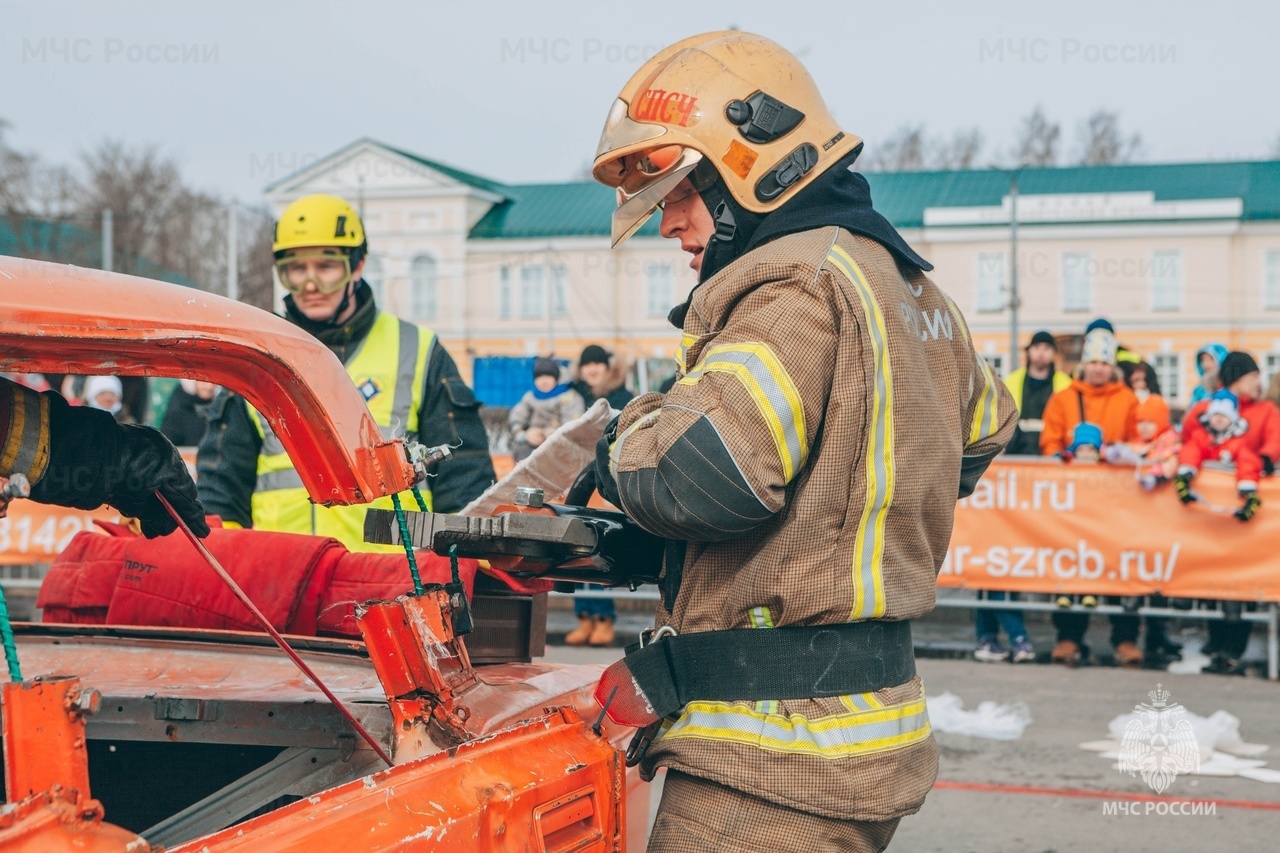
(579,636)
(1067,651)
(1128,654)
(602,632)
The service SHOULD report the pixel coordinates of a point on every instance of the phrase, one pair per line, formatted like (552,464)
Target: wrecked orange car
(136,737)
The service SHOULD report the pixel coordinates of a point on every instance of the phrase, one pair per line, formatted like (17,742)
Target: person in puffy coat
(546,407)
(1096,395)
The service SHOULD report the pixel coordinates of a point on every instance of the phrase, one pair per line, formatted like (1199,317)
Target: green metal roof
(583,209)
(903,196)
(63,242)
(580,209)
(468,178)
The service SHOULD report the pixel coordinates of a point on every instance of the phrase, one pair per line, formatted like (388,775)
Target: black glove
(1182,485)
(1268,467)
(94,460)
(1249,507)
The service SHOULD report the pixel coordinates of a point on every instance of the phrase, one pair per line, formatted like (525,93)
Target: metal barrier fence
(1268,614)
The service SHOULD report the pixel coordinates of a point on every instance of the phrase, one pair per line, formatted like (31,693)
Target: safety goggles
(647,181)
(328,269)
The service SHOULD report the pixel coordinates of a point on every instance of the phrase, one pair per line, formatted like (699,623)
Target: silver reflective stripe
(289,478)
(828,738)
(1031,425)
(868,588)
(860,702)
(32,419)
(773,389)
(406,359)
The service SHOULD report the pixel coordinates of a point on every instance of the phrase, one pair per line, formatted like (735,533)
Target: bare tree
(961,152)
(904,151)
(1037,142)
(257,265)
(1101,142)
(38,207)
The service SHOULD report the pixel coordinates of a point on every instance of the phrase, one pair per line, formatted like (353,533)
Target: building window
(1271,279)
(1270,367)
(532,302)
(989,278)
(423,296)
(1077,281)
(372,275)
(559,284)
(996,363)
(1168,367)
(504,293)
(1166,280)
(658,289)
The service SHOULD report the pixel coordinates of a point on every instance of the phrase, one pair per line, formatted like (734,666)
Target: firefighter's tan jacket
(810,456)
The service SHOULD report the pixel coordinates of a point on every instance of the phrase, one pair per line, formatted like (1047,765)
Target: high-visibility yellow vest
(388,370)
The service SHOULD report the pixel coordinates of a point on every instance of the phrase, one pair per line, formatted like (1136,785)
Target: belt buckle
(649,635)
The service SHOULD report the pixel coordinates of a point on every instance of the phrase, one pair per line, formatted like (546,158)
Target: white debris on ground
(989,720)
(1222,750)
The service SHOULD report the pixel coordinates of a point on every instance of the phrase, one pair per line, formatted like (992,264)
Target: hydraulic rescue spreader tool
(531,539)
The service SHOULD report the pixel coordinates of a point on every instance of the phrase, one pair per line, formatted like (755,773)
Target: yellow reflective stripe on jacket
(26,446)
(761,617)
(868,550)
(861,702)
(774,393)
(393,361)
(682,352)
(986,418)
(838,736)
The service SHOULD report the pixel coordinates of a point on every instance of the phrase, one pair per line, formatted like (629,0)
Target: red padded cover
(304,585)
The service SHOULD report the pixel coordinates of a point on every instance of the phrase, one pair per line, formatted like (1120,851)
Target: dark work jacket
(227,461)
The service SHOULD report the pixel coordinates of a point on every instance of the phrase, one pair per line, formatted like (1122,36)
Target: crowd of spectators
(1110,410)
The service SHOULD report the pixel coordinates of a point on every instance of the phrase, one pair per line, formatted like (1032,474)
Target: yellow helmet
(736,102)
(319,220)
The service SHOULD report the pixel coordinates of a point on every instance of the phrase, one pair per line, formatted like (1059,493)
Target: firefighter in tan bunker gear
(804,469)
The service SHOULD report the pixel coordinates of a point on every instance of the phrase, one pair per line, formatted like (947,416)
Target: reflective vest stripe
(394,354)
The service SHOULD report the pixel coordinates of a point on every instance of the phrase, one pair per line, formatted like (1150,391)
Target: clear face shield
(647,179)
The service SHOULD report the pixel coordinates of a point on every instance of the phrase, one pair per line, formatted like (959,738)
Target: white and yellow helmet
(737,102)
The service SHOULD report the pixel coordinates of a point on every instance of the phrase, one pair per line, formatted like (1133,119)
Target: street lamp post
(1013,271)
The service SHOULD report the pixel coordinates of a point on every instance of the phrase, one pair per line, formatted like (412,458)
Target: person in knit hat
(600,377)
(1096,395)
(1098,399)
(1031,387)
(543,409)
(1209,360)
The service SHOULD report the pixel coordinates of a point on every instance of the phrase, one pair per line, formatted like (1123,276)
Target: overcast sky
(241,93)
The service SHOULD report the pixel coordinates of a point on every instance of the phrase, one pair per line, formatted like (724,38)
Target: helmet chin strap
(350,290)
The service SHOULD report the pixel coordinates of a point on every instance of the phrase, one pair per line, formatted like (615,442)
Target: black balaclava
(839,196)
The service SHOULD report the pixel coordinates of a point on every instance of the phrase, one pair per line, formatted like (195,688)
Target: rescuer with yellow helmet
(829,411)
(408,380)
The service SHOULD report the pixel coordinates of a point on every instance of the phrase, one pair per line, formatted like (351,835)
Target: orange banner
(36,533)
(1035,525)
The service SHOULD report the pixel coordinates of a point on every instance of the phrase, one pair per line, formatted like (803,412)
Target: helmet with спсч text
(727,105)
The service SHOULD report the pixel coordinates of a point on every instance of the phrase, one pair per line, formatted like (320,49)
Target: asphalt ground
(1041,792)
